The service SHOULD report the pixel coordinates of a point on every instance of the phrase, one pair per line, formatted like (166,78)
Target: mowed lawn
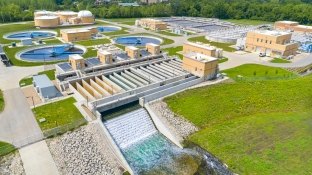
(8,28)
(58,113)
(255,127)
(6,148)
(225,46)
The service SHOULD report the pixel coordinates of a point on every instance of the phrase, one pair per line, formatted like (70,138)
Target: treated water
(107,28)
(50,53)
(32,35)
(136,40)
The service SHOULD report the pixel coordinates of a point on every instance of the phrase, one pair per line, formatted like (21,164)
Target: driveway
(17,122)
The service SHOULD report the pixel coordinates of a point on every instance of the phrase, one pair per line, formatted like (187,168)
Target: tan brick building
(78,34)
(152,24)
(133,52)
(105,57)
(152,48)
(200,65)
(47,19)
(293,26)
(272,43)
(202,48)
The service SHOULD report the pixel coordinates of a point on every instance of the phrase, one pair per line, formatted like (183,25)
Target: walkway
(17,122)
(10,76)
(37,159)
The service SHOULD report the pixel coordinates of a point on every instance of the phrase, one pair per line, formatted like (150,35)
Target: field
(280,60)
(224,46)
(248,21)
(1,101)
(262,126)
(222,60)
(173,51)
(66,113)
(127,21)
(28,81)
(93,42)
(5,148)
(168,33)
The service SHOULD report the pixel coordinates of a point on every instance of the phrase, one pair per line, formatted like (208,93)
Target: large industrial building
(271,43)
(152,24)
(202,48)
(292,26)
(78,34)
(48,19)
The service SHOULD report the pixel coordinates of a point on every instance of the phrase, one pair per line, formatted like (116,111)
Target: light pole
(32,99)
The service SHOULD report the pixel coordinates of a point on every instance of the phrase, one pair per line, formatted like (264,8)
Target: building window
(266,41)
(270,42)
(195,68)
(257,39)
(261,40)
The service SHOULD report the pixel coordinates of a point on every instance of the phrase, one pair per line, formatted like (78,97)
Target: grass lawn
(122,20)
(28,81)
(1,101)
(130,23)
(58,114)
(252,72)
(173,51)
(248,21)
(224,46)
(93,42)
(280,60)
(53,41)
(168,33)
(255,127)
(4,29)
(115,33)
(222,60)
(91,52)
(6,148)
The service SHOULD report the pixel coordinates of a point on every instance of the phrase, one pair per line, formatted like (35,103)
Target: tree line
(267,10)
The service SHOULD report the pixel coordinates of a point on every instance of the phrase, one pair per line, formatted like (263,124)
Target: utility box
(152,48)
(76,61)
(132,52)
(105,57)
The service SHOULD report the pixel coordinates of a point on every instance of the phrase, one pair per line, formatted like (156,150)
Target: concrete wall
(115,148)
(163,128)
(160,94)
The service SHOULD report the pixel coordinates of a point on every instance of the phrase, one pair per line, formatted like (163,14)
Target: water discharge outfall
(146,149)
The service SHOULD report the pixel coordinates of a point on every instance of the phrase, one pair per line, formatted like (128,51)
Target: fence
(64,128)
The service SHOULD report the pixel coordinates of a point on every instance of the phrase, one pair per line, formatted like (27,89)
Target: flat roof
(42,81)
(132,48)
(47,17)
(304,26)
(152,44)
(104,52)
(75,57)
(79,30)
(272,32)
(288,22)
(201,45)
(200,57)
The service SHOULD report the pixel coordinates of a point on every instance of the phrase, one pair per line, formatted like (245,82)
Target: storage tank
(47,21)
(86,16)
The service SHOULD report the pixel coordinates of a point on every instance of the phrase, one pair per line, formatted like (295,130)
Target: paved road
(10,76)
(17,122)
(37,159)
(253,58)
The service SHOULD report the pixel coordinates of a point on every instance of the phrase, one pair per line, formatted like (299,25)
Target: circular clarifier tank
(108,28)
(30,34)
(50,53)
(137,40)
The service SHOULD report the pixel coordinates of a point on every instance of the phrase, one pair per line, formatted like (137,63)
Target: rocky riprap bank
(177,124)
(84,151)
(11,164)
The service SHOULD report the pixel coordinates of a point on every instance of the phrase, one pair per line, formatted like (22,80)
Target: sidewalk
(38,160)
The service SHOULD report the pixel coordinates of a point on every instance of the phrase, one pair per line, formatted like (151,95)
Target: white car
(262,55)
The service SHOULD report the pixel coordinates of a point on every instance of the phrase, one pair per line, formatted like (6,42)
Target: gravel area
(11,164)
(84,151)
(177,124)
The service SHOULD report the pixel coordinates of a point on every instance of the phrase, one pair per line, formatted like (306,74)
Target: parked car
(262,55)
